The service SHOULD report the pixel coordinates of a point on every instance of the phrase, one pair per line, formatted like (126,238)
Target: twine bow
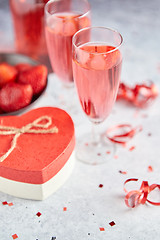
(29,128)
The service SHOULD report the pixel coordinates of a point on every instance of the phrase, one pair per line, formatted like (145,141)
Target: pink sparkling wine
(60,28)
(97,71)
(28,20)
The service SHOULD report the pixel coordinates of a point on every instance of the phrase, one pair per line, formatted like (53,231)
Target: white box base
(38,191)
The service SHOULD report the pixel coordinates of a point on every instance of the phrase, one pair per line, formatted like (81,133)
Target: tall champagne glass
(97,62)
(28,22)
(63,18)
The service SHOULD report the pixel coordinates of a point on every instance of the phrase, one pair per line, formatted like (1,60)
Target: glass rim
(107,28)
(54,1)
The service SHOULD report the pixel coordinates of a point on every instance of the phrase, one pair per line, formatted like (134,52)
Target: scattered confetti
(122,172)
(100,185)
(6,203)
(108,152)
(140,95)
(115,156)
(122,133)
(132,148)
(64,209)
(14,236)
(99,154)
(135,197)
(39,214)
(101,229)
(150,169)
(112,223)
(149,134)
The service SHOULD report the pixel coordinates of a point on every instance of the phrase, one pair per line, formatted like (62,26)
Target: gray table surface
(88,206)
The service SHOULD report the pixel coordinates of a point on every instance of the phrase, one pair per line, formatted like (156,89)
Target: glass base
(94,153)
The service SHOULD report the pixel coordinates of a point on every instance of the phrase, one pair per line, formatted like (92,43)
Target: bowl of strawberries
(22,82)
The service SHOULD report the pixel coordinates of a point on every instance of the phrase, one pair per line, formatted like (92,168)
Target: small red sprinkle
(112,223)
(108,152)
(122,172)
(39,214)
(14,236)
(4,203)
(10,204)
(115,156)
(100,185)
(99,154)
(132,148)
(149,134)
(150,169)
(101,229)
(64,209)
(86,144)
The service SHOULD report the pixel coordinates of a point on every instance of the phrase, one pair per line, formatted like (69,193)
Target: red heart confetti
(39,214)
(122,172)
(140,196)
(10,204)
(132,148)
(100,185)
(112,223)
(101,229)
(5,203)
(108,152)
(150,169)
(65,209)
(14,236)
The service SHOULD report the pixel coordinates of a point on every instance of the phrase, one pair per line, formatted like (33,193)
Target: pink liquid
(59,32)
(28,20)
(97,77)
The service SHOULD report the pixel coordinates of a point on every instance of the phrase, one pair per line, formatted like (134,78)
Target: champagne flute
(63,18)
(97,62)
(28,22)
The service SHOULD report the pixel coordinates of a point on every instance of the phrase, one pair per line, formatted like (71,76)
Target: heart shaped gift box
(36,155)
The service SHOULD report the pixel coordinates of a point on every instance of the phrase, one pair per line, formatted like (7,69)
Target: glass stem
(95,135)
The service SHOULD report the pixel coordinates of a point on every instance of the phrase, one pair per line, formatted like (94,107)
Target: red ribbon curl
(140,196)
(140,95)
(122,138)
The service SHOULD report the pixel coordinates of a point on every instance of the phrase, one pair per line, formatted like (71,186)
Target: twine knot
(36,127)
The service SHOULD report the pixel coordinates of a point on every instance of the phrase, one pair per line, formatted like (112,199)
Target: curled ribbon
(140,95)
(6,130)
(122,138)
(140,196)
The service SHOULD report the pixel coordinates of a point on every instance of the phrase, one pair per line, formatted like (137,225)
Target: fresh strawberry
(1,112)
(36,76)
(8,74)
(22,67)
(15,96)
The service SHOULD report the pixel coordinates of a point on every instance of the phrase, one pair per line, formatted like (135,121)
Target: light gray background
(88,206)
